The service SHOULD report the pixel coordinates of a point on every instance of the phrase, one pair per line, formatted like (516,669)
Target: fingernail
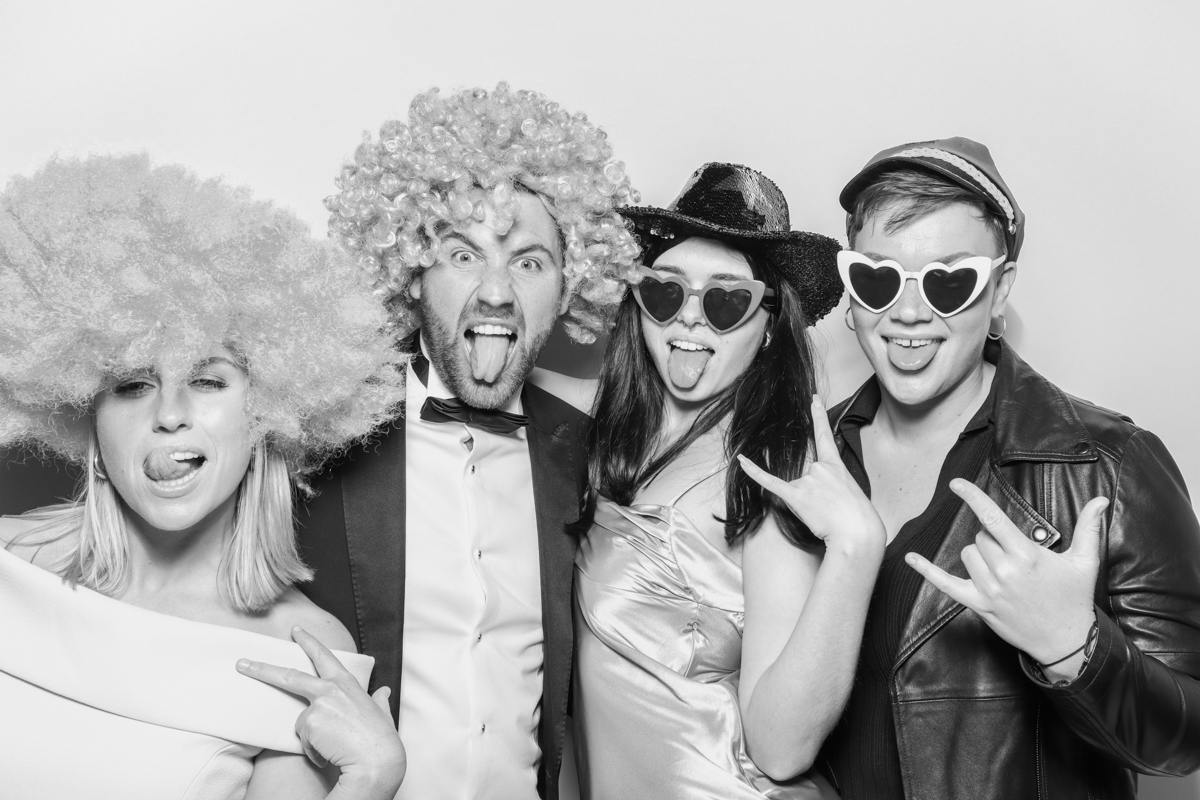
(243,665)
(910,558)
(817,401)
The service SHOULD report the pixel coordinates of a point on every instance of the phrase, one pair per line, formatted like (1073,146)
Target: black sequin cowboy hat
(744,208)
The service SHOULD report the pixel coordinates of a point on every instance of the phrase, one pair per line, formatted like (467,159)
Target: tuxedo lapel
(556,456)
(374,502)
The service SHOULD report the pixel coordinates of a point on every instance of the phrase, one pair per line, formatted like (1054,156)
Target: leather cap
(963,161)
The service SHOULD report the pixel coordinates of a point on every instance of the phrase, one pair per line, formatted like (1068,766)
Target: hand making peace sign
(342,725)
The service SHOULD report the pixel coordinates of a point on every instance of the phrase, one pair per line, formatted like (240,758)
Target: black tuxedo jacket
(352,535)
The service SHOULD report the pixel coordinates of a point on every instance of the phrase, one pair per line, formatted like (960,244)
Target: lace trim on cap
(973,171)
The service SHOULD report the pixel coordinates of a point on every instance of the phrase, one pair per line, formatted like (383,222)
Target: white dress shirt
(471,689)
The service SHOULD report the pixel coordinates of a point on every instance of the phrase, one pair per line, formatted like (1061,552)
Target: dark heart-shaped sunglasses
(723,305)
(877,285)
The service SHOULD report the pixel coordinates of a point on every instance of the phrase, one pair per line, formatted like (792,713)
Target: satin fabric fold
(659,614)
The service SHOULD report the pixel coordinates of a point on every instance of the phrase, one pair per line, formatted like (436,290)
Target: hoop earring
(253,457)
(850,319)
(766,341)
(98,467)
(1003,329)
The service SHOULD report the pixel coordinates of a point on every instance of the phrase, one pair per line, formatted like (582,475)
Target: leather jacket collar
(1053,433)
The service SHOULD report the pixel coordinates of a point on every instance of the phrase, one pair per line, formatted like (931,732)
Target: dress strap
(694,484)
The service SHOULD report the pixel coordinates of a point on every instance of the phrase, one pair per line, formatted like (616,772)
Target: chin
(458,379)
(488,395)
(172,519)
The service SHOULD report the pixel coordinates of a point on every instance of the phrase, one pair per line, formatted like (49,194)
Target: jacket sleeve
(1138,698)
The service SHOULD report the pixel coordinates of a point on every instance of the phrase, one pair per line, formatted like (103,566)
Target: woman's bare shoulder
(19,536)
(12,528)
(293,609)
(578,392)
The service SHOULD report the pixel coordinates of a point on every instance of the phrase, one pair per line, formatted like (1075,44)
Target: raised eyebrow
(462,237)
(667,268)
(941,260)
(533,248)
(199,365)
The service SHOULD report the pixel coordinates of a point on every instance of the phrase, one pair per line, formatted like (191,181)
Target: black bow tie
(436,409)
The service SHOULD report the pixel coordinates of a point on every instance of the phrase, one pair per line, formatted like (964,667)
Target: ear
(414,288)
(1008,275)
(564,302)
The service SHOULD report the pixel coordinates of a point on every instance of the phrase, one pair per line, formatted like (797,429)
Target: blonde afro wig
(422,178)
(109,266)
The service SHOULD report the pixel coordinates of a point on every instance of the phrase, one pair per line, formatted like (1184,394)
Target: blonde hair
(421,177)
(108,267)
(260,559)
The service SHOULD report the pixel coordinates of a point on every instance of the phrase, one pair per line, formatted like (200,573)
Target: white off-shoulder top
(100,699)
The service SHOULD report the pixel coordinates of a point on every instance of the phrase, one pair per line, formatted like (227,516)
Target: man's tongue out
(160,466)
(686,366)
(488,354)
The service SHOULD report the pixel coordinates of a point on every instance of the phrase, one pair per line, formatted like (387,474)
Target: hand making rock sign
(1037,600)
(826,497)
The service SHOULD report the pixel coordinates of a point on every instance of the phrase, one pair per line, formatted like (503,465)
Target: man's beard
(445,346)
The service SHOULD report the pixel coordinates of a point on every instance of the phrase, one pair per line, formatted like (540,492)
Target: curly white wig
(109,266)
(422,178)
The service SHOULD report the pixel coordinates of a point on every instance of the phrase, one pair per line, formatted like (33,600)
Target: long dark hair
(769,404)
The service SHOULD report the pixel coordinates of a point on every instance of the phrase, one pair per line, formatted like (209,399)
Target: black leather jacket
(972,720)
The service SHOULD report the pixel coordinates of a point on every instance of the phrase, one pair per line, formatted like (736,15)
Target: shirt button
(479,637)
(1040,535)
(472,469)
(478,554)
(483,728)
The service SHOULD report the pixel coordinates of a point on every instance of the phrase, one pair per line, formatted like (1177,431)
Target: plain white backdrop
(1090,109)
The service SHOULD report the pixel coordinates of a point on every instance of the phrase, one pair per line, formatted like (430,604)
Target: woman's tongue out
(686,363)
(171,463)
(488,353)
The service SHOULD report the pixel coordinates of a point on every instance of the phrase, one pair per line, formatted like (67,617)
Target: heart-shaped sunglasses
(723,305)
(877,285)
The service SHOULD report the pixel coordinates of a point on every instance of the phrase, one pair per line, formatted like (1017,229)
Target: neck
(679,416)
(943,416)
(164,562)
(678,419)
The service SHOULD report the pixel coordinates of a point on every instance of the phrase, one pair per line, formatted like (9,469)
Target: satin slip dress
(658,620)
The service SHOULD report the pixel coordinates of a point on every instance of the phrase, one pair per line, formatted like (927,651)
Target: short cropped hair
(907,194)
(421,178)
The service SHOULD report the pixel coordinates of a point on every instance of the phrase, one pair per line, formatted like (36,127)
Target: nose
(691,314)
(911,308)
(496,287)
(172,411)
